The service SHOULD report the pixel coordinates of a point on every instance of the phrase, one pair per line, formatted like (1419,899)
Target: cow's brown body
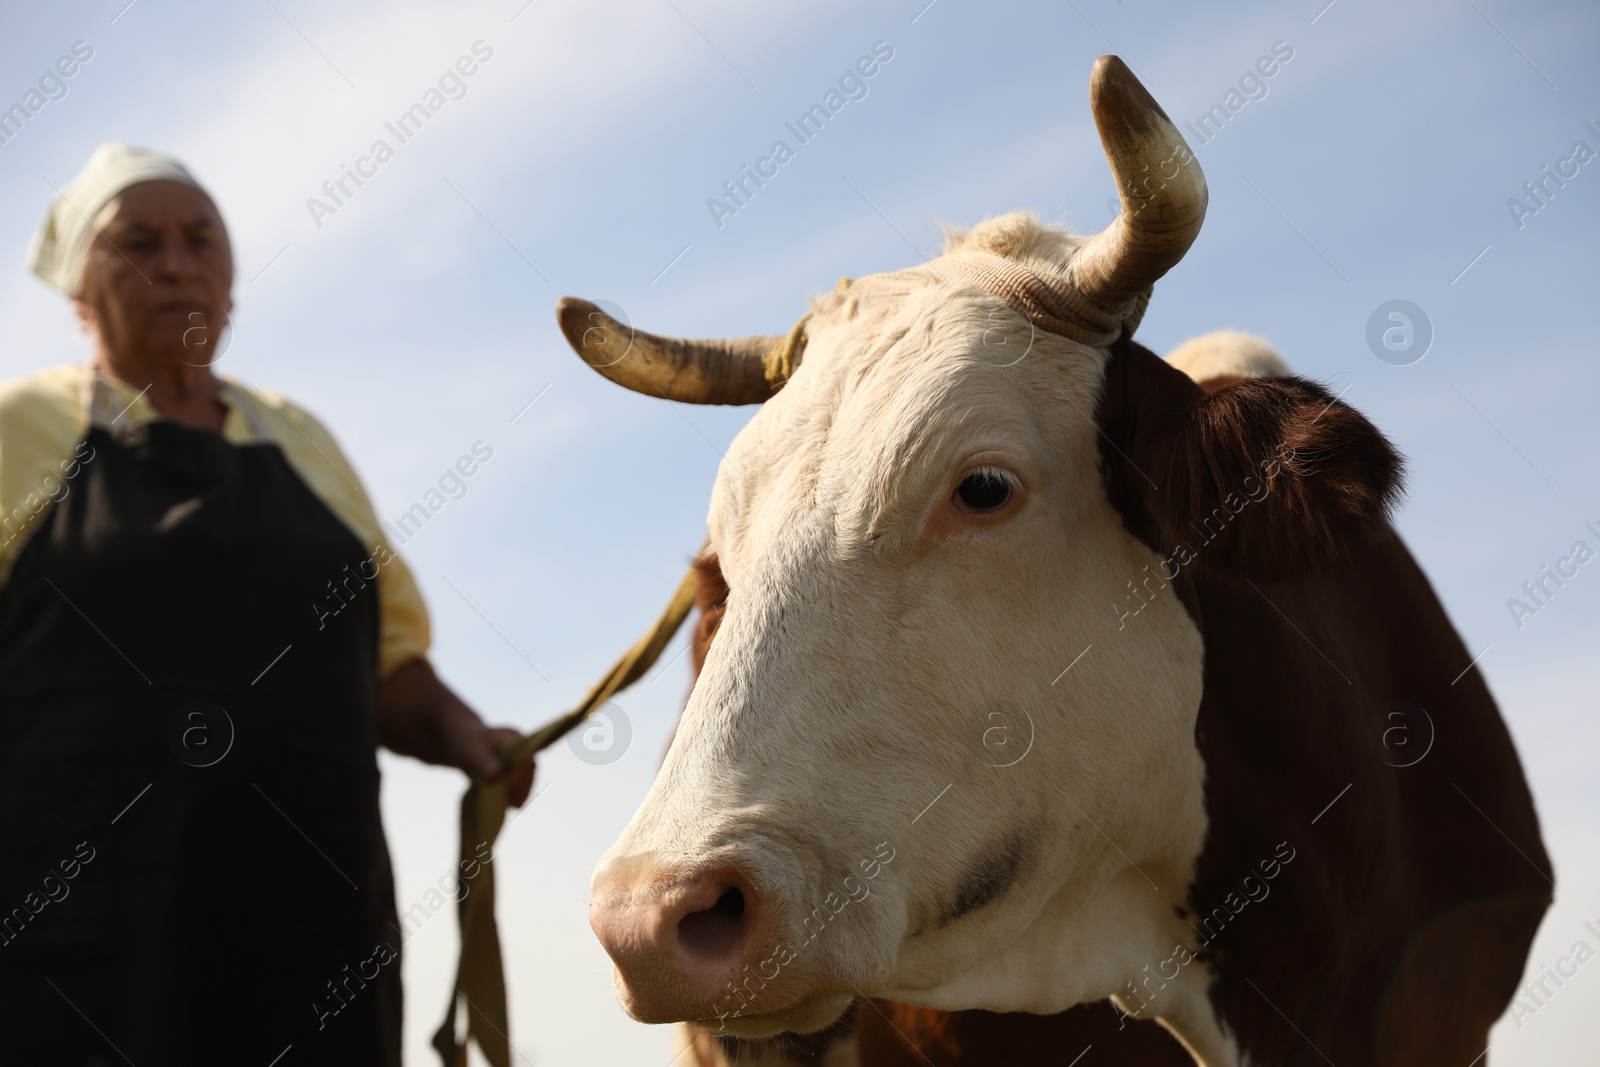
(1398,931)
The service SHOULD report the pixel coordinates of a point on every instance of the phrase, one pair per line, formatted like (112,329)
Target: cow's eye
(984,490)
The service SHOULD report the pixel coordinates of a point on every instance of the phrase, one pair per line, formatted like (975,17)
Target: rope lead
(480,972)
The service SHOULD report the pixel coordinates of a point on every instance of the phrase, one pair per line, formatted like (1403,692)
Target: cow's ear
(1260,477)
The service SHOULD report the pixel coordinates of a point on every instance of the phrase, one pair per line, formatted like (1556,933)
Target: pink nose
(677,941)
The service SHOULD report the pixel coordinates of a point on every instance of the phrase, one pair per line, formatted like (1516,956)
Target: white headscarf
(61,247)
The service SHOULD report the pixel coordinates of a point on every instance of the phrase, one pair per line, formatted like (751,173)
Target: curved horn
(1159,182)
(693,372)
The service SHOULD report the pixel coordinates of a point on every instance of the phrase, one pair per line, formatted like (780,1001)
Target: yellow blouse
(42,420)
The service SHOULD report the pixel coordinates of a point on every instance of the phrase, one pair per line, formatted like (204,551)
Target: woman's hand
(419,716)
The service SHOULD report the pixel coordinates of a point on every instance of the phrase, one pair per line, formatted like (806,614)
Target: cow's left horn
(694,372)
(1159,182)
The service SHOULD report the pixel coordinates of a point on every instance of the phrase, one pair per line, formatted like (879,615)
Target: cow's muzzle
(680,940)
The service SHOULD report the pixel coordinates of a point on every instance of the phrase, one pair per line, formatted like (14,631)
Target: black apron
(192,866)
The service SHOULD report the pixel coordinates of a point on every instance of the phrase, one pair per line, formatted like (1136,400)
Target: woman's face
(159,275)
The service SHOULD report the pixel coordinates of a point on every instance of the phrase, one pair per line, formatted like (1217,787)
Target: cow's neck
(1121,941)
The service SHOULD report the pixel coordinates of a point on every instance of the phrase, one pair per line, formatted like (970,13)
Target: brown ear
(1261,478)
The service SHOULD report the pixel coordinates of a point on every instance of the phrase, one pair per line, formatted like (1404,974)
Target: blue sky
(418,320)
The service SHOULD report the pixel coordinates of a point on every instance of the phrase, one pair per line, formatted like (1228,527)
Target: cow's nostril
(715,931)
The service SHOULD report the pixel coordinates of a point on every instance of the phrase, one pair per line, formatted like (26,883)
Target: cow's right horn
(1159,182)
(695,372)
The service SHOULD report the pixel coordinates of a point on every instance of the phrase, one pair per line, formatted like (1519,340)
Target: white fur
(853,674)
(1227,354)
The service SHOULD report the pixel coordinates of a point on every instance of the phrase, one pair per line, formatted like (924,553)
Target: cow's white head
(943,747)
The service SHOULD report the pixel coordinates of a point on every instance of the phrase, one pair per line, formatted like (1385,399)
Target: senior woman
(203,639)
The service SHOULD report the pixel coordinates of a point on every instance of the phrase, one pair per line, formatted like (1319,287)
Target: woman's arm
(419,716)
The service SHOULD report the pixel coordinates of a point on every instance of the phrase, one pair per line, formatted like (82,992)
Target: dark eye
(984,490)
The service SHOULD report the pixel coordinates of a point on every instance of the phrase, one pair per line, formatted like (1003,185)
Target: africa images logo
(451,85)
(852,85)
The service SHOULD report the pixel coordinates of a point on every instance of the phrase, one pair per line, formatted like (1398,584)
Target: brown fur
(1264,477)
(711,603)
(829,1047)
(1363,942)
(894,1035)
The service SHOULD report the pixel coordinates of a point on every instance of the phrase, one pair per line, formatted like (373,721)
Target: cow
(1050,677)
